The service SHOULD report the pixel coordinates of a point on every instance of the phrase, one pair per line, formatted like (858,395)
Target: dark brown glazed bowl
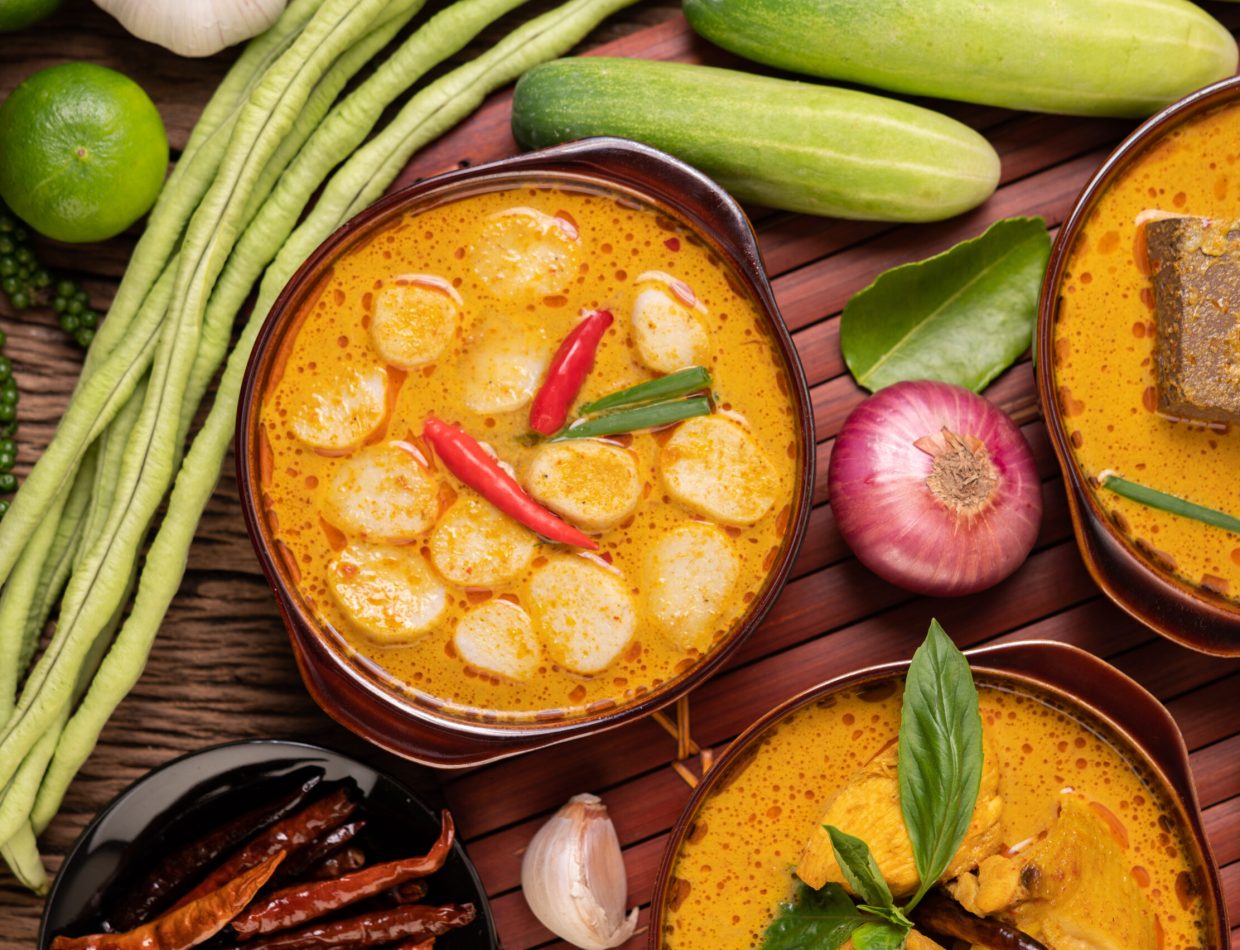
(351,690)
(1189,615)
(1145,731)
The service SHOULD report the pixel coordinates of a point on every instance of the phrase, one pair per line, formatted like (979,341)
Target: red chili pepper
(316,852)
(569,368)
(293,832)
(374,929)
(300,903)
(178,869)
(471,463)
(350,859)
(187,926)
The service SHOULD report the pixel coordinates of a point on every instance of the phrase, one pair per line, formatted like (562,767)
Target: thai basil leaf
(963,316)
(814,920)
(940,755)
(860,870)
(879,936)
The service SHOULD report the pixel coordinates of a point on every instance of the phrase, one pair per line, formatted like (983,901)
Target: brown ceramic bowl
(351,690)
(1140,727)
(1182,612)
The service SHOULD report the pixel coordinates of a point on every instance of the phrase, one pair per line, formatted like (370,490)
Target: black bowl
(179,801)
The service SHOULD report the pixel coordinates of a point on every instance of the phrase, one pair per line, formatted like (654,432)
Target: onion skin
(897,525)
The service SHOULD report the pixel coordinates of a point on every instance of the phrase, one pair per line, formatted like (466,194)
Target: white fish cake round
(712,466)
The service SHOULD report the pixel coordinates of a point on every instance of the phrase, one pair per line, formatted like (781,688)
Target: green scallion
(1153,498)
(680,383)
(640,417)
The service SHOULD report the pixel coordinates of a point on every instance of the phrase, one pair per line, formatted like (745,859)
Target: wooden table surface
(222,667)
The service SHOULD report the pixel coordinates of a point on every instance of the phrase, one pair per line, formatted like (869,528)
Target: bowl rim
(1016,661)
(296,746)
(1110,558)
(709,212)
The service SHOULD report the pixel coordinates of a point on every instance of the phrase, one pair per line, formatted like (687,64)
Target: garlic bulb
(574,880)
(194,27)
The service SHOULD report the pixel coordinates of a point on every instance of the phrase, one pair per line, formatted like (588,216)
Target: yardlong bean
(436,108)
(96,588)
(92,410)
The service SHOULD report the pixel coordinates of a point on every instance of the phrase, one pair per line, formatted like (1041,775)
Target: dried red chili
(317,851)
(187,926)
(350,859)
(291,833)
(568,371)
(176,870)
(471,463)
(302,902)
(373,929)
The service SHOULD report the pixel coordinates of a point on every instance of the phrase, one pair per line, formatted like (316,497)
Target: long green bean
(21,854)
(141,289)
(436,108)
(59,560)
(18,798)
(96,589)
(15,605)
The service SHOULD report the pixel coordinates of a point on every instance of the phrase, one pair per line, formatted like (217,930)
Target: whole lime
(14,14)
(83,152)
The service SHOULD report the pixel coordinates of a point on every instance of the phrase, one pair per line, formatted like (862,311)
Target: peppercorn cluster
(26,282)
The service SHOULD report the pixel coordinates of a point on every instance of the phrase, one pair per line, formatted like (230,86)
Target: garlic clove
(194,27)
(574,879)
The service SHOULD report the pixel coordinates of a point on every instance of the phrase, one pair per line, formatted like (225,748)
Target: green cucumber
(784,144)
(1125,58)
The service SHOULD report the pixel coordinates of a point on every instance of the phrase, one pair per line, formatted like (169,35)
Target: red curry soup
(456,313)
(1108,365)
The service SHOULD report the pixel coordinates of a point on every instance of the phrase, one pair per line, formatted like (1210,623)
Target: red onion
(935,489)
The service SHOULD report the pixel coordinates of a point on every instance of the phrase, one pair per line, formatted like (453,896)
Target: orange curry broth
(1104,373)
(735,865)
(619,240)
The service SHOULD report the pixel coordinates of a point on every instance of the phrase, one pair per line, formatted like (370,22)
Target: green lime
(83,152)
(14,14)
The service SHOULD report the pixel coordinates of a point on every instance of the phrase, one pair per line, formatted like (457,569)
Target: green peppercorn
(8,483)
(42,278)
(4,507)
(69,323)
(10,285)
(89,319)
(20,300)
(6,368)
(8,445)
(8,412)
(65,288)
(74,307)
(7,461)
(84,337)
(8,266)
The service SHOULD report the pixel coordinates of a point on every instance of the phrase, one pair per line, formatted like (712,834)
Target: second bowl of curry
(1139,327)
(461,578)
